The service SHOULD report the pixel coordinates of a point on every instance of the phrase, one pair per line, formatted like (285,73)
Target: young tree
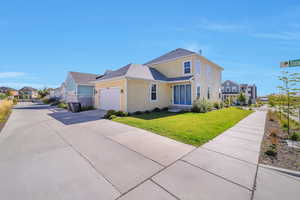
(289,89)
(242,99)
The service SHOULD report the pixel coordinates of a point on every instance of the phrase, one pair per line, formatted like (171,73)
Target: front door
(182,94)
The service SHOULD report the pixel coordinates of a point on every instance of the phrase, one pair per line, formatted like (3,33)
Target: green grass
(190,128)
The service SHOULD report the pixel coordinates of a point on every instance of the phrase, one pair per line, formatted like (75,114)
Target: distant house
(174,79)
(232,90)
(28,93)
(55,93)
(13,91)
(79,87)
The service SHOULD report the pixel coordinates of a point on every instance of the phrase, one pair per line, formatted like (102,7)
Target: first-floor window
(198,92)
(153,92)
(208,93)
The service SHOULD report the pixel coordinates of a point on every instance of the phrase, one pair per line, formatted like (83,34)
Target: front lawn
(190,128)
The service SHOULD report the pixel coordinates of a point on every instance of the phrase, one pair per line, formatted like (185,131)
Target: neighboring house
(55,93)
(5,90)
(28,93)
(173,79)
(232,90)
(79,87)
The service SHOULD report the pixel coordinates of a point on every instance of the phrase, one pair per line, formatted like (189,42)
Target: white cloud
(279,36)
(220,27)
(11,74)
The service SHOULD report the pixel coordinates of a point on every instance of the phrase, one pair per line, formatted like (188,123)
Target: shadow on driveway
(69,118)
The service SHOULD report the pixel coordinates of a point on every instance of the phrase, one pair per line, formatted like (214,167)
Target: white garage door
(110,99)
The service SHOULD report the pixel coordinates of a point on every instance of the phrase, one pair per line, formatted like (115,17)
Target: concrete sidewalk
(45,158)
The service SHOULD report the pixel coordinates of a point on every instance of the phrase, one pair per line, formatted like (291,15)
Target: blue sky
(40,41)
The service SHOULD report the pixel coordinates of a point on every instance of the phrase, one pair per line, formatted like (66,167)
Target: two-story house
(28,93)
(176,78)
(232,90)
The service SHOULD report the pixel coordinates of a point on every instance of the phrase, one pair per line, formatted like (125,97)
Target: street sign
(294,63)
(290,63)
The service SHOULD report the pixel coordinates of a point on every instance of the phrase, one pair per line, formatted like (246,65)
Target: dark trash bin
(74,106)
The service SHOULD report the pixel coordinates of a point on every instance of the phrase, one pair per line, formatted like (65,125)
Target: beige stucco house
(176,78)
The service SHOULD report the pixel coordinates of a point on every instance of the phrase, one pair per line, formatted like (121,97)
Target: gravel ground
(287,157)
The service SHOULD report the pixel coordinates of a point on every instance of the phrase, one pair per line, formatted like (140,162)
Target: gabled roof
(230,82)
(5,89)
(83,78)
(27,88)
(138,71)
(171,55)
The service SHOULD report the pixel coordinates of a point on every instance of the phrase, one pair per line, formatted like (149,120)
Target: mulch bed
(287,157)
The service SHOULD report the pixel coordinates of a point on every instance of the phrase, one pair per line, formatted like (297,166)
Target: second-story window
(187,67)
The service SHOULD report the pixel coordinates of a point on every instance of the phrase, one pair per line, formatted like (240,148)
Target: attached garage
(110,98)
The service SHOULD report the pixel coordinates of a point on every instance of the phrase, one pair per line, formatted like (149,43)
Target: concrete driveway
(46,153)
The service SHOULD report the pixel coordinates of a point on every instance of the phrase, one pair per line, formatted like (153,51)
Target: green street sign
(294,63)
(290,63)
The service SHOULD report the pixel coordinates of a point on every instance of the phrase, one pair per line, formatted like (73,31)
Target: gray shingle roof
(27,88)
(140,72)
(171,55)
(116,73)
(83,78)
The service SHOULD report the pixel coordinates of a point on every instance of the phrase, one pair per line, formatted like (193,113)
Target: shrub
(62,105)
(165,109)
(138,113)
(295,136)
(217,105)
(49,100)
(222,105)
(15,101)
(272,151)
(112,117)
(121,114)
(86,108)
(201,106)
(109,113)
(147,111)
(2,96)
(5,108)
(156,109)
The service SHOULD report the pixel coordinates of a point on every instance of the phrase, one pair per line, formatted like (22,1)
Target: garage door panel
(110,98)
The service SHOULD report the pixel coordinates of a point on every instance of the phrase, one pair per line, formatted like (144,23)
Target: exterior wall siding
(174,68)
(139,95)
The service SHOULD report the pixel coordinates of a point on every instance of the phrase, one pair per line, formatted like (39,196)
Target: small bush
(217,105)
(112,117)
(15,101)
(121,114)
(62,105)
(156,109)
(201,106)
(272,151)
(221,105)
(147,111)
(109,113)
(86,108)
(165,109)
(138,113)
(295,136)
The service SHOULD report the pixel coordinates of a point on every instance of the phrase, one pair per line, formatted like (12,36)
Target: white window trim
(198,85)
(184,97)
(150,92)
(191,67)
